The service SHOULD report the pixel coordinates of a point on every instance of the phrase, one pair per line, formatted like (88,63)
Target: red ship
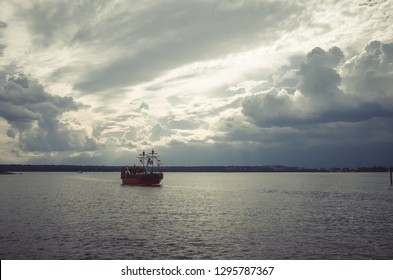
(143,175)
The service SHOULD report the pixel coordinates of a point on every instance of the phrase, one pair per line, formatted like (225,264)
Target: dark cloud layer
(34,117)
(339,109)
(173,33)
(136,42)
(328,89)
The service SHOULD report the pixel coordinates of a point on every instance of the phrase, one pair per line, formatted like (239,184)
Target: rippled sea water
(197,216)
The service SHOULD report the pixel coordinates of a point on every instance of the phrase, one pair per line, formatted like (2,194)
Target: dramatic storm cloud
(204,82)
(34,117)
(320,94)
(327,100)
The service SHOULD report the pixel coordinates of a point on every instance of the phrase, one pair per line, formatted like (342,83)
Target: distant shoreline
(3,172)
(7,169)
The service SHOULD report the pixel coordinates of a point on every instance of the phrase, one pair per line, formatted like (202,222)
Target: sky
(211,82)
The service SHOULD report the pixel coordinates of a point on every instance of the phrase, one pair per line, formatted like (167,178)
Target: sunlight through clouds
(245,80)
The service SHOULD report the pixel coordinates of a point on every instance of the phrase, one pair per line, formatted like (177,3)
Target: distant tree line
(8,168)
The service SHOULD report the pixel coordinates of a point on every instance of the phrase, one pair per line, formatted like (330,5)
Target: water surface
(197,216)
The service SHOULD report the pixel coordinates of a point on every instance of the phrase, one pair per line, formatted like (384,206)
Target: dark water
(197,216)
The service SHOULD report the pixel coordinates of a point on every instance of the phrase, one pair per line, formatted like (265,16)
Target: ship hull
(149,179)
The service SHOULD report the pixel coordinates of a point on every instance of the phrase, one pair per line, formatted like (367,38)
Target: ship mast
(152,157)
(142,158)
(148,159)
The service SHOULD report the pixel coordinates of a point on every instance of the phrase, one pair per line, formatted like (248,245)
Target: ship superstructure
(144,174)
